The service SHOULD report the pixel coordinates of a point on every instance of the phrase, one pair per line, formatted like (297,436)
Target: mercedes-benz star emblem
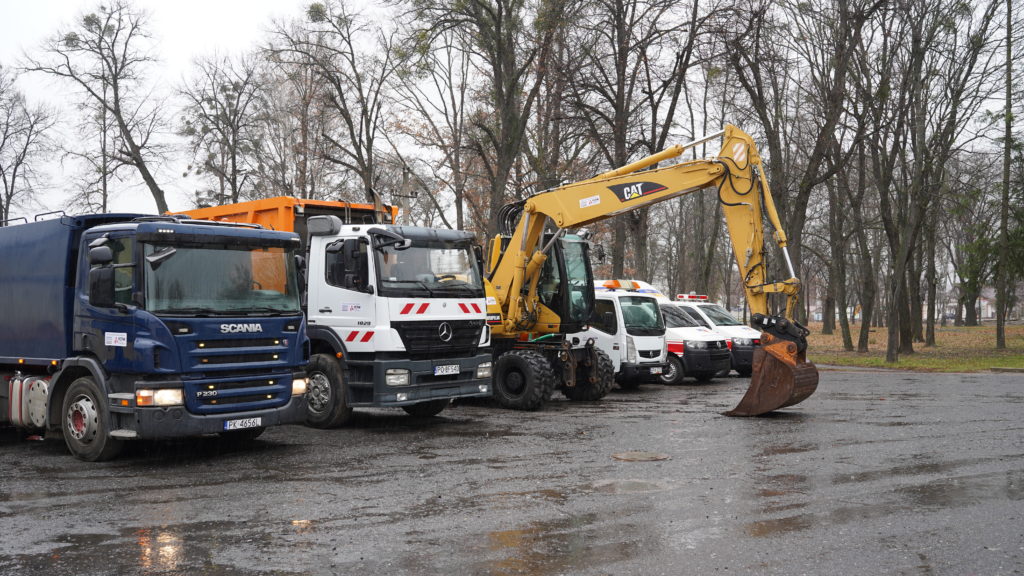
(444,331)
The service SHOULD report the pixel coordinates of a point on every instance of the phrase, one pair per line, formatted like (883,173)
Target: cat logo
(635,190)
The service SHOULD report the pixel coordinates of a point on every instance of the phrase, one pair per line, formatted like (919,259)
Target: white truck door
(338,290)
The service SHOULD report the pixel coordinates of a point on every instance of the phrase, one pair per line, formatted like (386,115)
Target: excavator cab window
(566,283)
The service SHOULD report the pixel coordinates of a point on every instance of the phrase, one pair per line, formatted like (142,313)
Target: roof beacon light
(691,297)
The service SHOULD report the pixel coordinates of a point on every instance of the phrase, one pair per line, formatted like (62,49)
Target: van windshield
(720,316)
(675,317)
(642,316)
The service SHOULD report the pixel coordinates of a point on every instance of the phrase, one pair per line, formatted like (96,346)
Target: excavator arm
(781,376)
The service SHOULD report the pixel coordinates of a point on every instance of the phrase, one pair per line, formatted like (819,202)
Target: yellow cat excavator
(540,284)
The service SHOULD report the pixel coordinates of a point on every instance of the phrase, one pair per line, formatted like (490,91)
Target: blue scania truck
(123,326)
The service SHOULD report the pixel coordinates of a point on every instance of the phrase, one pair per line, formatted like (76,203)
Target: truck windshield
(675,317)
(642,316)
(720,316)
(220,280)
(429,269)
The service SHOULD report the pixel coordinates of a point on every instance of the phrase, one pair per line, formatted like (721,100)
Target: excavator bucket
(781,375)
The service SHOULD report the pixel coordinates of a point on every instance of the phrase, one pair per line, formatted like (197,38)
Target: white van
(629,327)
(693,350)
(714,317)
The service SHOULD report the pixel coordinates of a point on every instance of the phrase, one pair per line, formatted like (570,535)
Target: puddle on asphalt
(572,543)
(768,528)
(628,486)
(788,449)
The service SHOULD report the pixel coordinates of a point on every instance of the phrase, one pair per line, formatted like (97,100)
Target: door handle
(325,310)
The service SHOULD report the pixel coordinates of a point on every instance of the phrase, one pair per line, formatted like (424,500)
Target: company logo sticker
(119,339)
(588,202)
(636,190)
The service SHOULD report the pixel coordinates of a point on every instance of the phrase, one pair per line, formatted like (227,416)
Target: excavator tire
(593,381)
(781,374)
(523,380)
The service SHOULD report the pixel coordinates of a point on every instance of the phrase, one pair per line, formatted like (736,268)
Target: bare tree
(219,119)
(105,56)
(24,141)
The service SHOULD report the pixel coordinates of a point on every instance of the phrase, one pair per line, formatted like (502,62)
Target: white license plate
(446,369)
(243,423)
(656,370)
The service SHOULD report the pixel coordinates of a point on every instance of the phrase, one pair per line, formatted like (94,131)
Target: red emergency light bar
(691,296)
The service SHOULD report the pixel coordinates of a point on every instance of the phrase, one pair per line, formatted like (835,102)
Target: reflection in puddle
(767,528)
(159,549)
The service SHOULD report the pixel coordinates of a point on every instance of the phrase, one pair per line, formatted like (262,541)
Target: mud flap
(781,375)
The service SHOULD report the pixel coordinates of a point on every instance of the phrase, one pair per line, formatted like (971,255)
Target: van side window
(601,307)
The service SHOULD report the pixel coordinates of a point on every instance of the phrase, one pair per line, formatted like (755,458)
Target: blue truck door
(109,333)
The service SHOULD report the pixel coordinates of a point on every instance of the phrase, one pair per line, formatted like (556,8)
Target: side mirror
(101,285)
(100,255)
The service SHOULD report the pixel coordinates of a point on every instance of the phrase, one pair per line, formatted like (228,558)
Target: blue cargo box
(37,286)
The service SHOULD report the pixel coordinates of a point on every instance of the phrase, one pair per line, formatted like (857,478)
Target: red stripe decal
(351,336)
(367,336)
(423,308)
(407,308)
(476,308)
(464,307)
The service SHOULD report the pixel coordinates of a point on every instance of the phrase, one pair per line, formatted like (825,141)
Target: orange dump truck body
(289,214)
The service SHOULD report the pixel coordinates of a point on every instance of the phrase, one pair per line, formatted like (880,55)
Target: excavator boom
(781,374)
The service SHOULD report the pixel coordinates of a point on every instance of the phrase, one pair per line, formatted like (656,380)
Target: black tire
(673,372)
(243,435)
(704,377)
(85,422)
(523,380)
(327,395)
(426,409)
(585,390)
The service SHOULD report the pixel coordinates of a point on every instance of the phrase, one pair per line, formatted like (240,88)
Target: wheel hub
(318,396)
(82,419)
(515,382)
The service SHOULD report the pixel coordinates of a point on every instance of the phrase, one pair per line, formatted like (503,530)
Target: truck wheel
(86,423)
(587,390)
(523,380)
(244,435)
(673,372)
(327,396)
(627,384)
(426,409)
(745,372)
(704,377)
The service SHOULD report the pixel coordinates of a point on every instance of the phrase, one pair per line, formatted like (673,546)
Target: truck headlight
(159,397)
(396,377)
(696,345)
(483,370)
(299,386)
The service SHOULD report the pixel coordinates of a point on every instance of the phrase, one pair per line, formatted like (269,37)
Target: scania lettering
(123,326)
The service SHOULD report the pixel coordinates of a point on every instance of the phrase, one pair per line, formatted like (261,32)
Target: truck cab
(628,326)
(396,319)
(743,339)
(127,326)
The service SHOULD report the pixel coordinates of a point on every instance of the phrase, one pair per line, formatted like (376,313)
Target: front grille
(719,354)
(650,353)
(422,339)
(241,343)
(239,358)
(209,397)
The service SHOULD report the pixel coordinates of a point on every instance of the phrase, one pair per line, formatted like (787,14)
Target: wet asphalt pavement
(877,473)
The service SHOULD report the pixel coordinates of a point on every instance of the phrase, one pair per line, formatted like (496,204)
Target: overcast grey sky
(183,29)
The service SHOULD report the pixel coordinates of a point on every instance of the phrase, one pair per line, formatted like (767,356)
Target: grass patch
(957,349)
